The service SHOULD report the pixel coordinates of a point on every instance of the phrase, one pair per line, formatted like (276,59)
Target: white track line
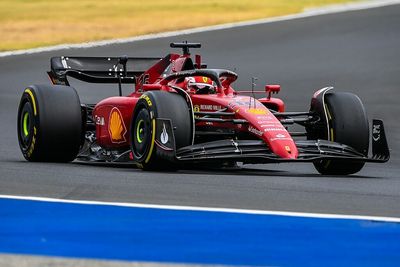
(307,13)
(206,209)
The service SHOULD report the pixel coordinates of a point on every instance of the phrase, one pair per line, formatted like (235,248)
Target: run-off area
(97,231)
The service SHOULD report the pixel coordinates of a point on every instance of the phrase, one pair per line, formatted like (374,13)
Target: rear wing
(99,69)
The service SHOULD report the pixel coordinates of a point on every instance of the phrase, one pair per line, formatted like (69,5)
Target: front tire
(347,124)
(49,123)
(150,106)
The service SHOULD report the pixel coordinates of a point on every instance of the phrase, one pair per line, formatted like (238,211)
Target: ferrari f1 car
(182,112)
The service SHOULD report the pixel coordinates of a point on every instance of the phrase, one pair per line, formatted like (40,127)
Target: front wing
(256,151)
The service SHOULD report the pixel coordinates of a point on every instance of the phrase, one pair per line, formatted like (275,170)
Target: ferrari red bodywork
(261,122)
(251,130)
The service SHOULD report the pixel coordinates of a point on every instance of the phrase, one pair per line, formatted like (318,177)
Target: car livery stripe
(156,233)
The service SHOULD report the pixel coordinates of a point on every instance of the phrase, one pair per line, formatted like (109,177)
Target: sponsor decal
(196,108)
(273,125)
(281,139)
(270,123)
(164,140)
(255,131)
(257,111)
(376,132)
(164,135)
(148,100)
(210,107)
(99,120)
(143,79)
(266,118)
(116,126)
(32,146)
(272,129)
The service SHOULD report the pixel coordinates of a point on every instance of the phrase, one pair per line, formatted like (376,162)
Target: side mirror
(272,89)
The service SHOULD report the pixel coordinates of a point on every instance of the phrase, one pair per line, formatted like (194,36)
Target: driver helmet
(200,85)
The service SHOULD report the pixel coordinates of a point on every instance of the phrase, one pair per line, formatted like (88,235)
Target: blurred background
(35,23)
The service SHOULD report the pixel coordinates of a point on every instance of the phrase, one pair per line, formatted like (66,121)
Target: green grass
(34,23)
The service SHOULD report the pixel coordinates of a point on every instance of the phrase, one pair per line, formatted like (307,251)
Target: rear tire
(49,123)
(150,106)
(348,124)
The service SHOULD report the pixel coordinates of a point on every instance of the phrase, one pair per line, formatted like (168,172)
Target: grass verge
(35,23)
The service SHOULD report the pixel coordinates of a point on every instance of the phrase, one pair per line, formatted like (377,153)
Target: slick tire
(153,105)
(348,124)
(49,123)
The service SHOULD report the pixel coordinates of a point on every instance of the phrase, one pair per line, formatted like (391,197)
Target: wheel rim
(26,125)
(141,134)
(140,131)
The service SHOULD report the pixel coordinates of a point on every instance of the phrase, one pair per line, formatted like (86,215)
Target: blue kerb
(160,235)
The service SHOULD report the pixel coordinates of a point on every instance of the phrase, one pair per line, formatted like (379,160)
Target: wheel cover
(142,132)
(26,125)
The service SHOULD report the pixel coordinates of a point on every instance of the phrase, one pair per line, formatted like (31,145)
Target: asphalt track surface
(354,51)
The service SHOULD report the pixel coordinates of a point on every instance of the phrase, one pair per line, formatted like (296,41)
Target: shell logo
(116,127)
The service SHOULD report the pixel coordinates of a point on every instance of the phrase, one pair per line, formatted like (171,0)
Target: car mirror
(272,89)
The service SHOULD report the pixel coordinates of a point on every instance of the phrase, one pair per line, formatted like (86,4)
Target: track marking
(332,9)
(207,209)
(24,260)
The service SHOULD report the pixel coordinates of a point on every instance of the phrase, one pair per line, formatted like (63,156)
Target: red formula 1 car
(182,112)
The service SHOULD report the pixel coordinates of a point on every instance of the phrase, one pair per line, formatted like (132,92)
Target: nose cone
(264,125)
